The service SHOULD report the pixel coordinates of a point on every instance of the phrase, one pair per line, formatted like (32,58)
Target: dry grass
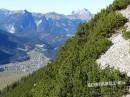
(9,78)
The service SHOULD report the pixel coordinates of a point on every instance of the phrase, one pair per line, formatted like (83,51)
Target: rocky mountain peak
(81,11)
(81,14)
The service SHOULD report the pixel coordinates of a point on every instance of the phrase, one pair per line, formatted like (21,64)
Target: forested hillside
(75,65)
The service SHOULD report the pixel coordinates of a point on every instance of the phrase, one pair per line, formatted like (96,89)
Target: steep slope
(118,55)
(75,65)
(21,21)
(9,48)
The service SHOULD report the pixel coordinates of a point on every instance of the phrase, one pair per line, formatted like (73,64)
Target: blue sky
(60,6)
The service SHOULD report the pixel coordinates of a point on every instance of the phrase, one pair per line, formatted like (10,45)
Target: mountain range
(51,29)
(25,21)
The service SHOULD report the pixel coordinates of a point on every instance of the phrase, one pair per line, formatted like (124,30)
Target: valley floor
(15,71)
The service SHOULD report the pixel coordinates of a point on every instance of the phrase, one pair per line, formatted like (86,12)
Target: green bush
(120,4)
(126,34)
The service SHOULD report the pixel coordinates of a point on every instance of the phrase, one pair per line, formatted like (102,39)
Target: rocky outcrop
(118,55)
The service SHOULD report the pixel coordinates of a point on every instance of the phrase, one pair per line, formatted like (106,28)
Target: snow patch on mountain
(11,29)
(38,22)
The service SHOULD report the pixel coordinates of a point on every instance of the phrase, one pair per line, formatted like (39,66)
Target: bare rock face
(118,55)
(82,14)
(126,13)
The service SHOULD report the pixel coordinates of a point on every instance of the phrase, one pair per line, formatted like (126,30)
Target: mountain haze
(9,51)
(51,29)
